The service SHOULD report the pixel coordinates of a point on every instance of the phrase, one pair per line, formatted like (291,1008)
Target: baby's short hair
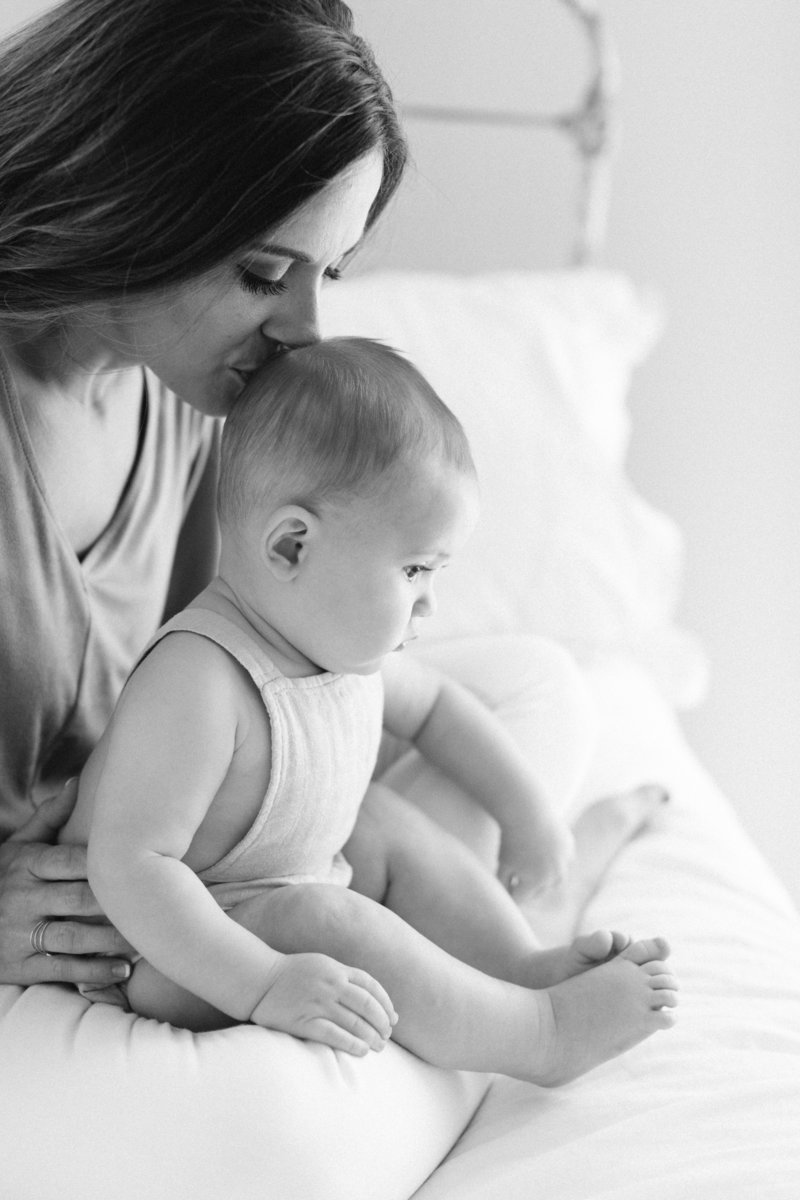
(325,421)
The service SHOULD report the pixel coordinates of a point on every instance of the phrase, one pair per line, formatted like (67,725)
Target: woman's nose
(296,320)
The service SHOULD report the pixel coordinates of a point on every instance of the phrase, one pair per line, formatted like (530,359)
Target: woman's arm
(464,739)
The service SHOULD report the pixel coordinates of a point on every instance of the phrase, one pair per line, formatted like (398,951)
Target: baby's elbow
(107,867)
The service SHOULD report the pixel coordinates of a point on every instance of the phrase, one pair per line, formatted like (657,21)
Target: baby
(247,855)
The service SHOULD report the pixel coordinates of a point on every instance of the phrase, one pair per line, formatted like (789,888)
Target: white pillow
(537,366)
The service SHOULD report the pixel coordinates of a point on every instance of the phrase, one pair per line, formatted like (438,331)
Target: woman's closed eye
(263,285)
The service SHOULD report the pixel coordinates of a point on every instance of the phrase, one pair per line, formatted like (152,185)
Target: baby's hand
(317,998)
(535,855)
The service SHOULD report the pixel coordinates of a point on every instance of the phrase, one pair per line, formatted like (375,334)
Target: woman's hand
(44,883)
(315,997)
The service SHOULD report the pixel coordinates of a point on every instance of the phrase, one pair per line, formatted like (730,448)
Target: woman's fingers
(47,881)
(57,862)
(80,937)
(52,924)
(51,814)
(61,968)
(71,898)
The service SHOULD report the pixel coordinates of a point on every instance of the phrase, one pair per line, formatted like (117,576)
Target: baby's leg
(407,862)
(537,692)
(151,994)
(455,1016)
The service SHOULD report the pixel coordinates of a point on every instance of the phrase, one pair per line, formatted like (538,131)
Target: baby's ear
(285,543)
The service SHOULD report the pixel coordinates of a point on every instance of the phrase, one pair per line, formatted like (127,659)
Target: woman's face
(204,338)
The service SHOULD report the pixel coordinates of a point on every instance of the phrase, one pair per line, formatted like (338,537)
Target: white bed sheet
(709,1110)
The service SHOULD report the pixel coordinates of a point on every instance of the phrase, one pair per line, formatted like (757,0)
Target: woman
(155,156)
(177,180)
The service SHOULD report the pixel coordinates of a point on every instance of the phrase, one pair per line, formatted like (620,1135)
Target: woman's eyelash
(259,285)
(415,570)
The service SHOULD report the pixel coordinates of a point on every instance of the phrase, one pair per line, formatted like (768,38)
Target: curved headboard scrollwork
(591,125)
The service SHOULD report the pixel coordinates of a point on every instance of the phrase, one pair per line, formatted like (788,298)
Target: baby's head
(345,483)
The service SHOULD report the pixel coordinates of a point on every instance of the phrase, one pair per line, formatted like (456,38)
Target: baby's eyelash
(333,273)
(414,570)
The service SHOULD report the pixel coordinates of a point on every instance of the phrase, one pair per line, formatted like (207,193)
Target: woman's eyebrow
(278,251)
(283,252)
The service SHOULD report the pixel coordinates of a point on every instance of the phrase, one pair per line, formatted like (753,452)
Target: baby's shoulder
(192,668)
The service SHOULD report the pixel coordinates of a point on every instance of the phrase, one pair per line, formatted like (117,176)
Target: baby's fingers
(371,1001)
(329,1033)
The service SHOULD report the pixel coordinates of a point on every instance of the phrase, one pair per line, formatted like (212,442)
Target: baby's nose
(426,604)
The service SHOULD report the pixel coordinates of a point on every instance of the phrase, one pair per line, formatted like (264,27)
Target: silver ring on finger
(37,938)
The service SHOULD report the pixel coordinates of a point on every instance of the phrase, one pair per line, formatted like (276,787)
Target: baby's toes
(594,947)
(663,989)
(660,970)
(619,942)
(662,1016)
(646,950)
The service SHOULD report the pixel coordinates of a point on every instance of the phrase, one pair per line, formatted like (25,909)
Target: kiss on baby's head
(325,422)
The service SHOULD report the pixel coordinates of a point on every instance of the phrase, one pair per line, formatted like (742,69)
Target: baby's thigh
(292,919)
(305,917)
(151,994)
(393,836)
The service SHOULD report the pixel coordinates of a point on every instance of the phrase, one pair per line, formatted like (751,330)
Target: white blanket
(709,1110)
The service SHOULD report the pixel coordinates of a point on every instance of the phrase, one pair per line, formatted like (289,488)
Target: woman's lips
(246,372)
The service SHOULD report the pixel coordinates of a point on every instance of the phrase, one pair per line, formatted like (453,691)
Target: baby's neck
(221,597)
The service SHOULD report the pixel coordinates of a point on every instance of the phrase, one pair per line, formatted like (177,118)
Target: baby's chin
(369,667)
(369,664)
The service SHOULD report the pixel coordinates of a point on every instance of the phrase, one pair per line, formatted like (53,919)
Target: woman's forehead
(332,222)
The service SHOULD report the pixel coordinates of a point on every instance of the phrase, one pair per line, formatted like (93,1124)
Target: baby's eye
(412,572)
(333,273)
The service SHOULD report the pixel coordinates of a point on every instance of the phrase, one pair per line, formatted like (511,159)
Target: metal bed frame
(591,126)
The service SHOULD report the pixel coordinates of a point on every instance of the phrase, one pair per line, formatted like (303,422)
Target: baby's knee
(539,667)
(301,918)
(391,826)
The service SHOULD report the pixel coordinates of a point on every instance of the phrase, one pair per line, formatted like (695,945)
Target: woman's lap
(98,1103)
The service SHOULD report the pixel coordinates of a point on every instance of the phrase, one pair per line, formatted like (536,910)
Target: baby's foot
(601,832)
(600,1013)
(548,967)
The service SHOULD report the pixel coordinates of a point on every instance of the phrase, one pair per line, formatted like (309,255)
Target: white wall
(706,207)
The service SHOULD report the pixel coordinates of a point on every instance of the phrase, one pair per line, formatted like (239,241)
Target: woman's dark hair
(143,141)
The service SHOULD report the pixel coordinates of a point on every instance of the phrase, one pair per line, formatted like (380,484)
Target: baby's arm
(184,705)
(464,739)
(167,752)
